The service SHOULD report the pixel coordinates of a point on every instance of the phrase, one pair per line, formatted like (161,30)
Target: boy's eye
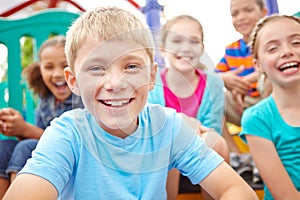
(234,13)
(132,67)
(248,10)
(96,68)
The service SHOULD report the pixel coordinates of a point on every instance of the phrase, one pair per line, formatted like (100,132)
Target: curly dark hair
(32,74)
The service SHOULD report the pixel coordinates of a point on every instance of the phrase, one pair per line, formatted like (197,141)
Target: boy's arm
(273,170)
(233,81)
(252,77)
(229,184)
(30,187)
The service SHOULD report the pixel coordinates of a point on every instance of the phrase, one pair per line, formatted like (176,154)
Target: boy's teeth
(117,103)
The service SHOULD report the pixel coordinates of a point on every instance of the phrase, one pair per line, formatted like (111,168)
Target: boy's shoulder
(74,115)
(160,117)
(158,111)
(235,44)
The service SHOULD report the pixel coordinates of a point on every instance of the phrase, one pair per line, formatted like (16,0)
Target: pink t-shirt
(189,105)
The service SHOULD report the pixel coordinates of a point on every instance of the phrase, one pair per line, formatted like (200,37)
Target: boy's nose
(112,82)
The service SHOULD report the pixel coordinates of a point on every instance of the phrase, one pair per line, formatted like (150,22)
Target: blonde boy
(118,147)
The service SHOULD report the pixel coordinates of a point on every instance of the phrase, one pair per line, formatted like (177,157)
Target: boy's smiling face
(245,14)
(113,78)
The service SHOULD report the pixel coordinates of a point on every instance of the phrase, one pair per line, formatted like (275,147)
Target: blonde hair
(253,44)
(104,23)
(168,25)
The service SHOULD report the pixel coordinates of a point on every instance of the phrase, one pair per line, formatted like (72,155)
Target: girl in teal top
(272,127)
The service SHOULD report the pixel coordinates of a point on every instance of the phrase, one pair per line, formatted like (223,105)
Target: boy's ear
(71,81)
(153,76)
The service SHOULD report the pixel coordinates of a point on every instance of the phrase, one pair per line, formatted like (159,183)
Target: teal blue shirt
(211,109)
(264,120)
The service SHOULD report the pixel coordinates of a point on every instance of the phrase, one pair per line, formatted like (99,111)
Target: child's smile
(53,62)
(61,86)
(116,102)
(114,82)
(289,67)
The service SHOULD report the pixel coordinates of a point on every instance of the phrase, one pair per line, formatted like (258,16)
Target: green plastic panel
(38,26)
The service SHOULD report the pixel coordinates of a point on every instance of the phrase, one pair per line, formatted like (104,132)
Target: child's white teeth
(117,103)
(287,65)
(60,83)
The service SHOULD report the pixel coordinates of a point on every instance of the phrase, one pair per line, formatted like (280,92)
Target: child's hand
(252,78)
(2,127)
(239,98)
(11,122)
(233,81)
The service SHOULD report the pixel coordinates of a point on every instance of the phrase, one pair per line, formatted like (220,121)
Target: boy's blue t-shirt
(83,161)
(264,120)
